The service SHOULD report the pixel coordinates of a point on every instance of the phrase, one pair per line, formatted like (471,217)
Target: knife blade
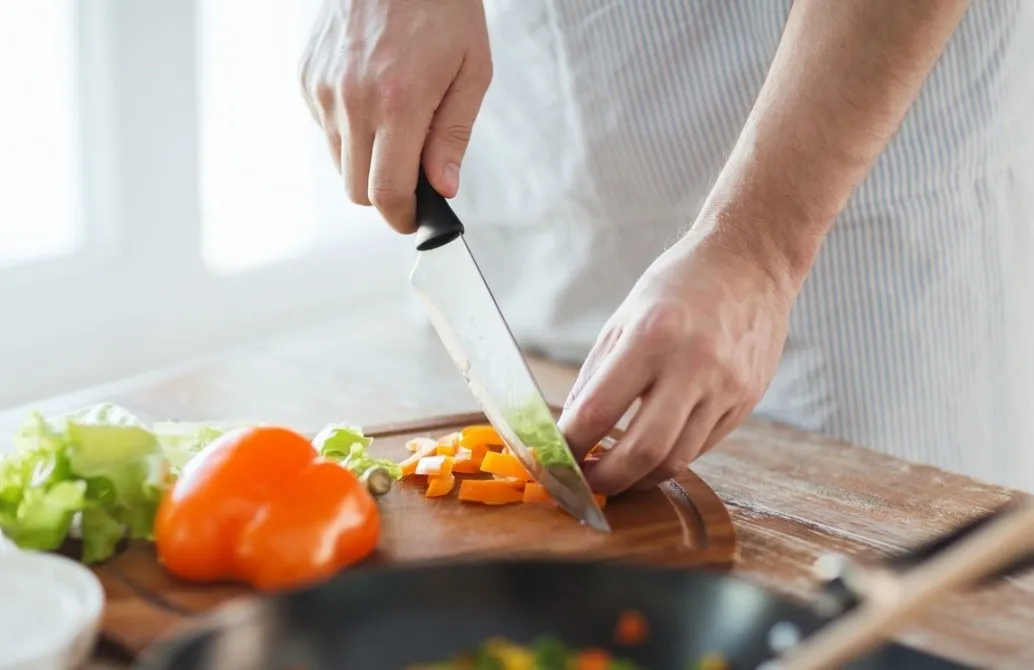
(468,321)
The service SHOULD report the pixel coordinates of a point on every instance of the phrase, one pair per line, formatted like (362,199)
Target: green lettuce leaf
(347,445)
(181,441)
(99,465)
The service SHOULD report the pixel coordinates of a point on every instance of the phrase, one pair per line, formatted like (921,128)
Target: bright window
(39,175)
(269,191)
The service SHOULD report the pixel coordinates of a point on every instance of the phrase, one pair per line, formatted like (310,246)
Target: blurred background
(164,192)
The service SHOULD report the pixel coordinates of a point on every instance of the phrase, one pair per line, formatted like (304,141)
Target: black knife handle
(436,223)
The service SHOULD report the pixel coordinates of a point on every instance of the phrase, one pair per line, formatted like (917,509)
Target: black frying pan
(387,618)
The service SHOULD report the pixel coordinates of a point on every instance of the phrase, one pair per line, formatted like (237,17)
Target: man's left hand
(697,341)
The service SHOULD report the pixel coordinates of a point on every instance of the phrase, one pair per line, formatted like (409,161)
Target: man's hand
(395,83)
(698,339)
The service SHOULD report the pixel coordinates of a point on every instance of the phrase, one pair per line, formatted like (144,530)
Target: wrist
(760,214)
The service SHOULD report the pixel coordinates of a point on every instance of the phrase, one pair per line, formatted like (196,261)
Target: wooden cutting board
(682,523)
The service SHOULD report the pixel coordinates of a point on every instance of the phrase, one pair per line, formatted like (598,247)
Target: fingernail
(451,177)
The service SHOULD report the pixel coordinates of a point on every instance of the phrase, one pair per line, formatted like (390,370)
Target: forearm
(842,81)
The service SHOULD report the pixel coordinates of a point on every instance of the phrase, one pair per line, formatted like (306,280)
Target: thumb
(450,132)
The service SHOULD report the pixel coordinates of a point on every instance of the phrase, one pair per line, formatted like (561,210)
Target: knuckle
(324,96)
(673,467)
(642,453)
(662,324)
(735,378)
(396,96)
(705,349)
(352,90)
(357,192)
(457,134)
(483,73)
(385,198)
(591,412)
(751,397)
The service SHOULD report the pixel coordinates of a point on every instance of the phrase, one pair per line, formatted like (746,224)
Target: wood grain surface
(793,496)
(682,523)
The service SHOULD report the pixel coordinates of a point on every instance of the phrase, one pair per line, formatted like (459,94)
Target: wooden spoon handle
(982,552)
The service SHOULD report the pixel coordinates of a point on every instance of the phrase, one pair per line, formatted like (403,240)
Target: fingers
(451,127)
(649,442)
(689,445)
(394,167)
(621,378)
(604,343)
(322,108)
(355,164)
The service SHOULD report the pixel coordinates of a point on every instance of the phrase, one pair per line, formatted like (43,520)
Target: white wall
(164,192)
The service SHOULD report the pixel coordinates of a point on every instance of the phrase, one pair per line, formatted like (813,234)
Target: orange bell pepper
(260,506)
(490,491)
(504,465)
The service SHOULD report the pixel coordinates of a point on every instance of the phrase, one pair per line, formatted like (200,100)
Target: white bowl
(50,611)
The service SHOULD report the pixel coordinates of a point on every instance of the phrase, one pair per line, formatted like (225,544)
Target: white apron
(607,122)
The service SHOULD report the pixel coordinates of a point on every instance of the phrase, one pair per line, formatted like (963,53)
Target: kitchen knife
(468,321)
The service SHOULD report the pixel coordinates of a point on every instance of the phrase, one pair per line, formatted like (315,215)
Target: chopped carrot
(419,442)
(537,493)
(408,465)
(593,659)
(631,628)
(504,465)
(489,491)
(440,485)
(446,449)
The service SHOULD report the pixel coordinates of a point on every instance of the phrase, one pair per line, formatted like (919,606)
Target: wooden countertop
(793,496)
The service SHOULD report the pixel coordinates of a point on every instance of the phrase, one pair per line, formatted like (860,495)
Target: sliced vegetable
(544,653)
(466,463)
(537,493)
(348,446)
(407,467)
(504,465)
(432,465)
(480,436)
(592,659)
(536,427)
(259,505)
(476,450)
(417,442)
(378,481)
(490,491)
(631,628)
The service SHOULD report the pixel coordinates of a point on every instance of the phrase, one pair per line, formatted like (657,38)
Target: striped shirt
(608,121)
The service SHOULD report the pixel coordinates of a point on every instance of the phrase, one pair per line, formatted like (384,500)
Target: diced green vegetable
(536,427)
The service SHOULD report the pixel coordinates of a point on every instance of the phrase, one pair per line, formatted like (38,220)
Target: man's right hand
(394,83)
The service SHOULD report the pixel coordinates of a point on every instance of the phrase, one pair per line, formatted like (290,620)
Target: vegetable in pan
(549,653)
(495,475)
